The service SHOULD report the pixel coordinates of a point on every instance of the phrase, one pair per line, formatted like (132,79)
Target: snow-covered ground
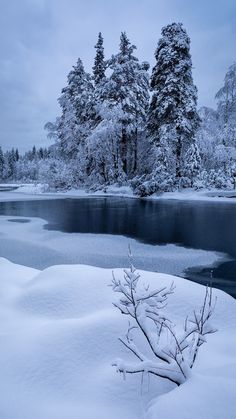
(39,191)
(213,195)
(59,335)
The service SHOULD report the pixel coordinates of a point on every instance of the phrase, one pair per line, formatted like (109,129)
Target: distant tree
(99,67)
(207,136)
(41,153)
(9,164)
(173,116)
(17,155)
(226,97)
(226,108)
(1,163)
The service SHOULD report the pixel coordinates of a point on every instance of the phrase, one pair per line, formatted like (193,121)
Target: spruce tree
(173,117)
(99,67)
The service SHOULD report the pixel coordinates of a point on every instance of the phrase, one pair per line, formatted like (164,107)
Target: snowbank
(59,334)
(39,191)
(213,195)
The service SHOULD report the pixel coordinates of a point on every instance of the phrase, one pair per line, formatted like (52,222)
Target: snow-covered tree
(207,136)
(159,348)
(173,107)
(9,166)
(99,67)
(103,145)
(226,108)
(226,97)
(216,137)
(126,93)
(1,163)
(77,105)
(191,165)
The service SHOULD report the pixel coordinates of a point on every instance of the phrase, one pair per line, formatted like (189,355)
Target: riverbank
(190,239)
(35,191)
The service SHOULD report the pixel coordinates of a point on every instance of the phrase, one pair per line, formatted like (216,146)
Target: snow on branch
(167,353)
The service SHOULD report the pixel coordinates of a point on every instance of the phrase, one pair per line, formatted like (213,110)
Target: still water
(199,225)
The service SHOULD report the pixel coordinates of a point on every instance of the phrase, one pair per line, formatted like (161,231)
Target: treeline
(121,125)
(29,166)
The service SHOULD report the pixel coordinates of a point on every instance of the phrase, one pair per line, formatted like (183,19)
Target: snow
(212,195)
(37,191)
(28,243)
(59,335)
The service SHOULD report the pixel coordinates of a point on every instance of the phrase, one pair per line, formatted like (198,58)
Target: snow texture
(59,336)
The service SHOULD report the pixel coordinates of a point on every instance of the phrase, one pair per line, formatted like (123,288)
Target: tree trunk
(123,150)
(178,158)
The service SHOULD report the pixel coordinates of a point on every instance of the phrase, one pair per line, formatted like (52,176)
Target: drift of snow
(59,336)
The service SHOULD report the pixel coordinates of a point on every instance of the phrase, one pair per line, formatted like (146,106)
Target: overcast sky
(41,39)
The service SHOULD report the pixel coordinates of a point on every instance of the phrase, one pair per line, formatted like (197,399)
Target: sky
(40,40)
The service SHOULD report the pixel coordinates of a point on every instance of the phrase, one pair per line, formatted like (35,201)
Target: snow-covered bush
(56,174)
(219,179)
(144,188)
(165,351)
(148,185)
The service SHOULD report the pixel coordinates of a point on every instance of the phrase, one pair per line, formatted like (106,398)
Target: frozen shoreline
(37,191)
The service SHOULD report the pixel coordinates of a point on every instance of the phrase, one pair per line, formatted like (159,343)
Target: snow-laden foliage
(216,137)
(110,132)
(226,98)
(158,347)
(99,67)
(173,118)
(191,165)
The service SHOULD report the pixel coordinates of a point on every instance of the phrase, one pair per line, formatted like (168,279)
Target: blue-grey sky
(41,39)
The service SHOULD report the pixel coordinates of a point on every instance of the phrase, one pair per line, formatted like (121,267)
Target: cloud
(42,39)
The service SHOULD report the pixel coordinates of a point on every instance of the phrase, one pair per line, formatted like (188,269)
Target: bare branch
(171,355)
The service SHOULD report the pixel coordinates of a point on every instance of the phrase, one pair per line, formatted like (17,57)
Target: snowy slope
(59,334)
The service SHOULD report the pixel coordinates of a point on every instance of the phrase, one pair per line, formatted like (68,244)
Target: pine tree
(173,114)
(99,67)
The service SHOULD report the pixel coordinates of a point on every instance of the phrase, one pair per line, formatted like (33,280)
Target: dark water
(200,225)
